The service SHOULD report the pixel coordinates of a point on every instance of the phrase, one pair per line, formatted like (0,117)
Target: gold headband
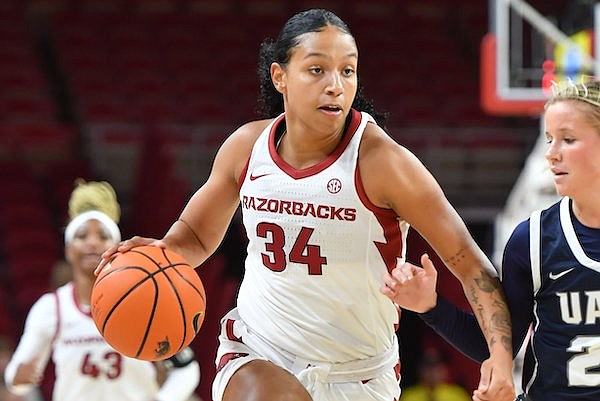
(587,91)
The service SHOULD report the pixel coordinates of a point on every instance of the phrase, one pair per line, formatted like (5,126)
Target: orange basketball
(148,303)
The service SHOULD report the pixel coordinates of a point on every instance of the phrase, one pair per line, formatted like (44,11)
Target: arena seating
(86,84)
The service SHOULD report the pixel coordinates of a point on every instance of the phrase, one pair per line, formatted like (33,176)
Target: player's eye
(80,236)
(348,71)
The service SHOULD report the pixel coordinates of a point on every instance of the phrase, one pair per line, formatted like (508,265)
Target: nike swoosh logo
(256,177)
(556,276)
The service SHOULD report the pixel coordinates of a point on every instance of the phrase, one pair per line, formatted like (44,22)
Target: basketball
(148,303)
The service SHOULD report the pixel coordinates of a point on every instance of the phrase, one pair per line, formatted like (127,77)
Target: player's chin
(89,263)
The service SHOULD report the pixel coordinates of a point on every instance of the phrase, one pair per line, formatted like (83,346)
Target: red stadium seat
(18,74)
(101,6)
(8,318)
(18,187)
(211,7)
(27,107)
(24,213)
(45,141)
(103,109)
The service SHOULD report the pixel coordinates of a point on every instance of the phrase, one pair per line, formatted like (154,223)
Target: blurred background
(142,92)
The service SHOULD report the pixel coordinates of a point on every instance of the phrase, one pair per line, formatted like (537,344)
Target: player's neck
(83,289)
(588,215)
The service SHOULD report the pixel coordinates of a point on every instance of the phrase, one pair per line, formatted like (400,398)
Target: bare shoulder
(391,174)
(236,149)
(246,134)
(378,148)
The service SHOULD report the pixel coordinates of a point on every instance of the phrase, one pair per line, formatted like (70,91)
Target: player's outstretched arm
(201,227)
(415,290)
(393,177)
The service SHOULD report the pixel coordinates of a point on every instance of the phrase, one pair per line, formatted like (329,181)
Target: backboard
(524,51)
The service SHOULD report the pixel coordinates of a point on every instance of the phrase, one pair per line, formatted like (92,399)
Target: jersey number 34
(302,252)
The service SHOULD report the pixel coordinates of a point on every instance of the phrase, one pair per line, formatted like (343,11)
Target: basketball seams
(163,269)
(150,318)
(198,290)
(118,269)
(185,293)
(129,291)
(182,310)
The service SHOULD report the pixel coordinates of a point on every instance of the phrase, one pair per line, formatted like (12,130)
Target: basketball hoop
(490,98)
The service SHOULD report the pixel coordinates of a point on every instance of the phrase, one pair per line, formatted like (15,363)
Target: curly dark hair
(270,101)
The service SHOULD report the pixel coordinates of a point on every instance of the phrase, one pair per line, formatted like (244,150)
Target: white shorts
(375,379)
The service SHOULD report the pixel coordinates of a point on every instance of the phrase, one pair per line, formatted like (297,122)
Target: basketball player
(59,324)
(550,269)
(327,198)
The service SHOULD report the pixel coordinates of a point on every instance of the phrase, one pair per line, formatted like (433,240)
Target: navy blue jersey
(564,355)
(552,282)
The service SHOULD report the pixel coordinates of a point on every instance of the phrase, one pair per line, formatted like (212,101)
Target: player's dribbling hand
(124,246)
(495,384)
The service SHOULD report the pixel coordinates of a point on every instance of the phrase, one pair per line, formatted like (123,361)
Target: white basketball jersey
(316,254)
(87,368)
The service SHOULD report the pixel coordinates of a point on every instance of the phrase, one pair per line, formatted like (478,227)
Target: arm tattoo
(501,324)
(456,259)
(486,283)
(497,327)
